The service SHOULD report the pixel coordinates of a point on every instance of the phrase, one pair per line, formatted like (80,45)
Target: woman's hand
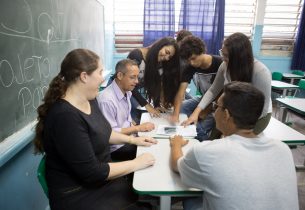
(161,109)
(143,141)
(144,160)
(173,119)
(145,127)
(153,112)
(192,119)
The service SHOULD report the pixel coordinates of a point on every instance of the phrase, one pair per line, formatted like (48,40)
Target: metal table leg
(165,202)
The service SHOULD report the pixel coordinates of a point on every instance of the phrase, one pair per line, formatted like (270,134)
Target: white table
(278,130)
(292,77)
(295,104)
(159,121)
(159,179)
(283,86)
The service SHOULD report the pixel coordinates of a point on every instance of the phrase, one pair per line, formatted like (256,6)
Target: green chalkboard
(35,35)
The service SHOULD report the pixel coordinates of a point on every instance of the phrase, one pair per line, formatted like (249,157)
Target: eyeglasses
(215,106)
(222,54)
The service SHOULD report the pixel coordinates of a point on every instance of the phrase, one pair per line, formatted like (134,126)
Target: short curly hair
(191,45)
(182,34)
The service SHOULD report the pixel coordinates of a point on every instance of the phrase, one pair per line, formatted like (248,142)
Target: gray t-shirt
(242,173)
(261,79)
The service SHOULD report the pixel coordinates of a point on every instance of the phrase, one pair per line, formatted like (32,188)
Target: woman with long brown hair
(74,135)
(159,75)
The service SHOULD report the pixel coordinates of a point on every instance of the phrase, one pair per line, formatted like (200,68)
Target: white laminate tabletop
(278,130)
(295,76)
(160,179)
(296,104)
(282,85)
(163,120)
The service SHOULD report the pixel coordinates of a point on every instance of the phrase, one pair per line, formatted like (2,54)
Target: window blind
(280,26)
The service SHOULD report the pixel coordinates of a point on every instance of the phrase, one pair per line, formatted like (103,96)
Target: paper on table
(177,130)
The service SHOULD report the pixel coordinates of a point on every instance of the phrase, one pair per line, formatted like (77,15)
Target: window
(279,31)
(239,17)
(128,24)
(280,26)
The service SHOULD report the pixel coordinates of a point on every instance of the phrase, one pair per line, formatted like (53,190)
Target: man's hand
(145,127)
(177,141)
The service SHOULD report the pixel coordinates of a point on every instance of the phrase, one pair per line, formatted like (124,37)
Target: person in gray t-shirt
(242,170)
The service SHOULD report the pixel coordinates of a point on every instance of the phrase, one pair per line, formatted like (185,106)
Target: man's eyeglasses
(215,106)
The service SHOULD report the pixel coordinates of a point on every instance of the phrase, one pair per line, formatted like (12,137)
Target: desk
(295,104)
(283,86)
(159,121)
(278,130)
(292,77)
(160,180)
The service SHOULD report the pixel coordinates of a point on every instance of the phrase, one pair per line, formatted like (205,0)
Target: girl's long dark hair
(169,82)
(241,61)
(75,62)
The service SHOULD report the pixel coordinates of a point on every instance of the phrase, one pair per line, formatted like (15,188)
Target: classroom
(166,82)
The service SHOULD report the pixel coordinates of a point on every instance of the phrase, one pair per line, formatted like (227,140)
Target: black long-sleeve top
(76,146)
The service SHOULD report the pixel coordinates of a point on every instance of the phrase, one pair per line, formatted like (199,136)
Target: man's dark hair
(244,103)
(191,45)
(182,34)
(121,66)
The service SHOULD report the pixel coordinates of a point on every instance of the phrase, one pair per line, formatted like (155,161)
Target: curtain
(205,19)
(159,20)
(298,58)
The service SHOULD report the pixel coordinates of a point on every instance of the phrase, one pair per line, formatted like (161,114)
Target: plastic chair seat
(277,76)
(41,175)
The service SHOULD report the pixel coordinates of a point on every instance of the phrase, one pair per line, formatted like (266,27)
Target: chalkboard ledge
(16,142)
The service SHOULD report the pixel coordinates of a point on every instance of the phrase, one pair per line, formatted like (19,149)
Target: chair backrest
(301,84)
(298,72)
(277,76)
(41,175)
(203,82)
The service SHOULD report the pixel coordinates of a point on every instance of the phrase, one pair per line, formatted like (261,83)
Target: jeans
(135,113)
(203,127)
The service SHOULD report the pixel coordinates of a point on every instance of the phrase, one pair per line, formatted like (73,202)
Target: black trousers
(115,195)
